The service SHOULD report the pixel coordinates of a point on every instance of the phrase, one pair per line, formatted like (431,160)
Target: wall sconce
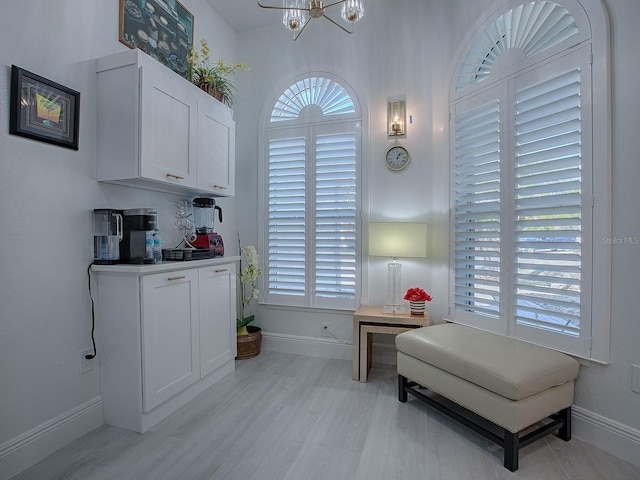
(397,240)
(397,116)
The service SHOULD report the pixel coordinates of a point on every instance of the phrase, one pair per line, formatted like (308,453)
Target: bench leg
(565,432)
(511,449)
(402,393)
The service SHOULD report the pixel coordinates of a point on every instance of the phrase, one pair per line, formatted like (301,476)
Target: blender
(204,209)
(107,235)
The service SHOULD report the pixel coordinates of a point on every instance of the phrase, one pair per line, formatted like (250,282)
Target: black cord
(93,319)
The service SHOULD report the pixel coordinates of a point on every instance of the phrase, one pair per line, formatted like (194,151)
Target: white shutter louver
(335,216)
(286,222)
(477,210)
(533,27)
(327,94)
(548,204)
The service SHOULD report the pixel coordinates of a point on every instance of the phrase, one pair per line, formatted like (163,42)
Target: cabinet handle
(179,277)
(221,187)
(177,177)
(221,270)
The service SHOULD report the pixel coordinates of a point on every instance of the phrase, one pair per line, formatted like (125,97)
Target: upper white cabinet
(158,131)
(216,147)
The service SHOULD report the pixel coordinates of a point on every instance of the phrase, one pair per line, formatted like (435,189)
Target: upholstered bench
(515,385)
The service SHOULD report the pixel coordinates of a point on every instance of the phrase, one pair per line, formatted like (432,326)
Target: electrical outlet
(635,382)
(86,364)
(325,326)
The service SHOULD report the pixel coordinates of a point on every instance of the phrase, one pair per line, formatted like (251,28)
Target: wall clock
(397,158)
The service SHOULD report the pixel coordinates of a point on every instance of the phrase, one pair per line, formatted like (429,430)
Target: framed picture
(161,28)
(43,110)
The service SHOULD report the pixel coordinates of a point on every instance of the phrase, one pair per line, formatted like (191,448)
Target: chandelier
(296,13)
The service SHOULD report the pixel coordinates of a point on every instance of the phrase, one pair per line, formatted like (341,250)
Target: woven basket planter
(249,345)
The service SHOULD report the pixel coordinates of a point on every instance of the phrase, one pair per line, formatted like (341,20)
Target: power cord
(326,329)
(93,319)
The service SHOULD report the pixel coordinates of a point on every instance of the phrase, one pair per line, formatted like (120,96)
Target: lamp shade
(398,239)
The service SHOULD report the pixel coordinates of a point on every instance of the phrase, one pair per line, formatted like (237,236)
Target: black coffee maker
(138,225)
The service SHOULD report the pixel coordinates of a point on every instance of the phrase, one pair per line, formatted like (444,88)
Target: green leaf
(244,322)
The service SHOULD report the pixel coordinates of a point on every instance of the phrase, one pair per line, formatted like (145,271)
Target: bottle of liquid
(157,246)
(148,246)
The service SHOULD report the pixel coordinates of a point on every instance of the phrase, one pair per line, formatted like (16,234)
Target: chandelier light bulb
(352,10)
(293,17)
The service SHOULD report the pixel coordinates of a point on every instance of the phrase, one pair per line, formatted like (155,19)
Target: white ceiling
(242,15)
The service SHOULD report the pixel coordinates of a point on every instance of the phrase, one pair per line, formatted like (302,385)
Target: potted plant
(249,338)
(417,300)
(213,79)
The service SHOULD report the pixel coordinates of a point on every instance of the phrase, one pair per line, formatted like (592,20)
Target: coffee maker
(204,209)
(107,235)
(137,235)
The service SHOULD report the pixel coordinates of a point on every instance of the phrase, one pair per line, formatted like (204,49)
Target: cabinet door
(217,316)
(216,147)
(168,127)
(170,347)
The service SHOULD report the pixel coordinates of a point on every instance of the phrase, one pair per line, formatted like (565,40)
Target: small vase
(417,308)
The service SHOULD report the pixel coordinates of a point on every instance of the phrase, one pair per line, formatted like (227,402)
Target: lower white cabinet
(217,289)
(170,336)
(167,334)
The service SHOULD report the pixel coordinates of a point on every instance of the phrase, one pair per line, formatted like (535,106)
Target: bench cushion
(512,368)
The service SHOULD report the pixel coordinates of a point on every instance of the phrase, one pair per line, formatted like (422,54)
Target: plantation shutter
(552,205)
(530,176)
(286,217)
(477,212)
(311,193)
(521,204)
(312,221)
(335,214)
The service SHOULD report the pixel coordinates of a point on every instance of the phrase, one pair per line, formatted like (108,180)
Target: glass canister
(107,234)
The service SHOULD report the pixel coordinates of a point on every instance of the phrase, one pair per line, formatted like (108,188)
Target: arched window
(529,180)
(310,186)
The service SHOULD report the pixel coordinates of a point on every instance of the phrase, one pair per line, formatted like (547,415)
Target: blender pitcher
(107,234)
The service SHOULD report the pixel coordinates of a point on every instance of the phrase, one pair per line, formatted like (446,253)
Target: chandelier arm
(296,35)
(273,7)
(334,3)
(340,26)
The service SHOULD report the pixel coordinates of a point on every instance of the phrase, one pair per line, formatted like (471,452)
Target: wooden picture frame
(161,28)
(43,110)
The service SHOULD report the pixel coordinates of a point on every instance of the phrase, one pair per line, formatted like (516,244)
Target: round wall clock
(397,158)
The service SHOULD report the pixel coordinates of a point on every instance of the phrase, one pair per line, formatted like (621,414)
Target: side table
(370,319)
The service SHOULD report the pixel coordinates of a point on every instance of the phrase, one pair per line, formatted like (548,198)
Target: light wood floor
(293,417)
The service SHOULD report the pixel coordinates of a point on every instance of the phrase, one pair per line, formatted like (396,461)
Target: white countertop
(165,266)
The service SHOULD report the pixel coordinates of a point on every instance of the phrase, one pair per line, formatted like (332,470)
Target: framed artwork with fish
(161,28)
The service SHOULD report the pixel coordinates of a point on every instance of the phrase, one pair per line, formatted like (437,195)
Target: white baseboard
(606,434)
(311,346)
(27,449)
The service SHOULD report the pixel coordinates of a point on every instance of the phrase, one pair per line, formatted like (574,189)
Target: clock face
(397,158)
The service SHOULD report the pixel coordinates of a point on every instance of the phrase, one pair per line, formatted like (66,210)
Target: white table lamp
(396,240)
